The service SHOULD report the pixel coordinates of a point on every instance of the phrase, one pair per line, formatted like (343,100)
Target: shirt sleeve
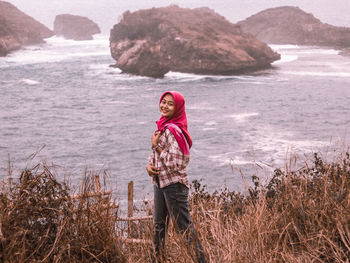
(172,157)
(151,158)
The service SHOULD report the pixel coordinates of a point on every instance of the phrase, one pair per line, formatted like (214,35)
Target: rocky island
(18,29)
(154,41)
(75,27)
(291,25)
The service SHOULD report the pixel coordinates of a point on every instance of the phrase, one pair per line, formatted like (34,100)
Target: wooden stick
(134,218)
(138,241)
(130,199)
(130,205)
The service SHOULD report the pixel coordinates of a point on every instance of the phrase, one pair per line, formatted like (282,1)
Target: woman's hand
(151,170)
(155,138)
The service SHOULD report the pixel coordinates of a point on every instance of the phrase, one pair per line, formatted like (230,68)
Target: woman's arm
(155,138)
(171,155)
(151,168)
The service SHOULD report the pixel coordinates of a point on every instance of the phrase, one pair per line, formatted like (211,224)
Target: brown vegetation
(41,221)
(298,216)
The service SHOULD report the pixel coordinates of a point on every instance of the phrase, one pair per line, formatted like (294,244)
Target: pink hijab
(177,124)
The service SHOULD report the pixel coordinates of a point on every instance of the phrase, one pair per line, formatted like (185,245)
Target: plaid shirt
(171,163)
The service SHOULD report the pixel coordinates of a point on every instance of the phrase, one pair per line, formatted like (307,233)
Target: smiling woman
(167,167)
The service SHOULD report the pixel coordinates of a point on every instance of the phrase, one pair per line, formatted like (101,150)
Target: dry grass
(40,221)
(298,216)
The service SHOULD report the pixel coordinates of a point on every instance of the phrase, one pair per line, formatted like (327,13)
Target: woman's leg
(160,222)
(176,197)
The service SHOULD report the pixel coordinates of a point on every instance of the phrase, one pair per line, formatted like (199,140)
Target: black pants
(172,201)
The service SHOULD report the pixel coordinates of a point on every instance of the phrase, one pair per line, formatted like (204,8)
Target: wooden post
(130,205)
(130,199)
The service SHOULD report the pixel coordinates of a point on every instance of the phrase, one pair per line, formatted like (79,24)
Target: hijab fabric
(177,124)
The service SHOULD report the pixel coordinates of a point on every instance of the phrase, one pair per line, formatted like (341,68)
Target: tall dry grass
(42,221)
(300,215)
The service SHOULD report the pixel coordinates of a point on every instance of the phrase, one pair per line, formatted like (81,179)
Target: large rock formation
(154,41)
(18,29)
(75,27)
(291,25)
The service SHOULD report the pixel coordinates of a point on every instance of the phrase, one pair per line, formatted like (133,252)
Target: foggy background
(106,13)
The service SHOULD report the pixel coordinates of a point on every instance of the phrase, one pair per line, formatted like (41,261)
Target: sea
(63,104)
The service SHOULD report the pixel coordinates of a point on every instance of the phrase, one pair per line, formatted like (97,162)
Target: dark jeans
(172,201)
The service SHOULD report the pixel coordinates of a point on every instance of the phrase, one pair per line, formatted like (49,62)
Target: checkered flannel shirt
(171,163)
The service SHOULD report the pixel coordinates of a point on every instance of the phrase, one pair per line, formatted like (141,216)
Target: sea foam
(58,49)
(29,82)
(285,59)
(318,73)
(243,116)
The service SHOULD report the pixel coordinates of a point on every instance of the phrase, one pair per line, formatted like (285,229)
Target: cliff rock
(291,25)
(18,29)
(75,27)
(154,41)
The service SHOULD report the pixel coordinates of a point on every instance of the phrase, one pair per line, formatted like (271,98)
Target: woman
(171,144)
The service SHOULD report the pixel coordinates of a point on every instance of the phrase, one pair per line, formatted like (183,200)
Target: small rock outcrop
(291,25)
(18,29)
(154,41)
(75,27)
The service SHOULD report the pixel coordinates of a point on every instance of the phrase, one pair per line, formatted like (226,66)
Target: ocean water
(63,104)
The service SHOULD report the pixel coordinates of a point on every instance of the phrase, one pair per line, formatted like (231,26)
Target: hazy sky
(106,13)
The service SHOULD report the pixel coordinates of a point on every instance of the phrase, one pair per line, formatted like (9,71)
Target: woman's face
(167,106)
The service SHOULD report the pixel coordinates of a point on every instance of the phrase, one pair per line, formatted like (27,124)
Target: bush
(41,221)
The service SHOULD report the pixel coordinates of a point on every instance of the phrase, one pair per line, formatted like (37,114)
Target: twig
(91,255)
